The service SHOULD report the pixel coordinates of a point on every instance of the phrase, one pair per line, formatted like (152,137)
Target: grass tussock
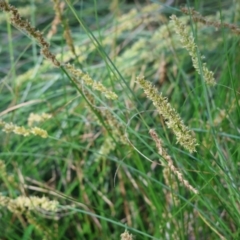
(79,156)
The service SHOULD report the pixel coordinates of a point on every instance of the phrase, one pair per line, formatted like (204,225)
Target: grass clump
(94,171)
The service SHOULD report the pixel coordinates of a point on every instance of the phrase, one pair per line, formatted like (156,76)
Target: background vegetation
(99,161)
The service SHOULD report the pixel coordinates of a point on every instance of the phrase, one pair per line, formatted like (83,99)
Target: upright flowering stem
(183,134)
(188,43)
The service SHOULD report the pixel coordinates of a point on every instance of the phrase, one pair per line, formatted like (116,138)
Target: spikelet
(183,134)
(78,75)
(58,9)
(197,17)
(170,164)
(38,118)
(188,43)
(24,11)
(126,236)
(20,130)
(116,127)
(23,204)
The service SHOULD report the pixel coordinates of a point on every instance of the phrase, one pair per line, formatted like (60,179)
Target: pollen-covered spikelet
(169,162)
(183,134)
(188,43)
(20,130)
(126,236)
(38,118)
(39,132)
(23,204)
(78,75)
